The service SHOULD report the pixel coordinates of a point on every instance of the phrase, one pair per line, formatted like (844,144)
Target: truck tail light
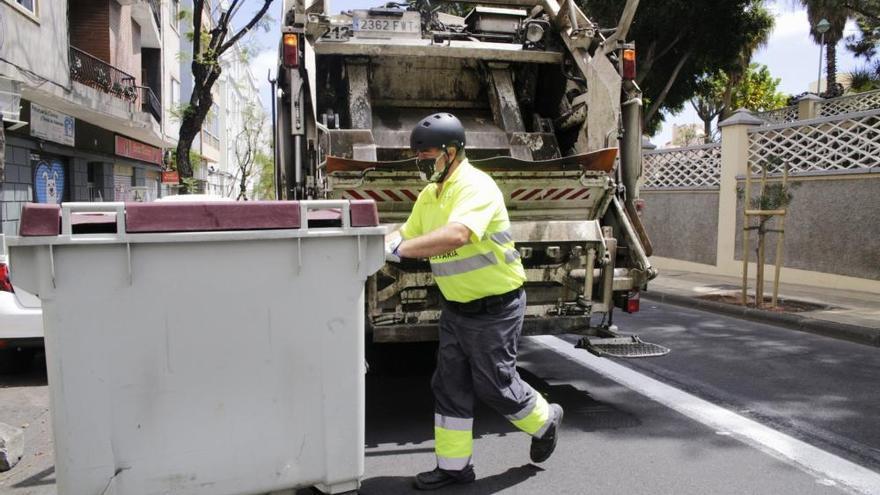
(5,283)
(290,52)
(640,206)
(632,302)
(629,64)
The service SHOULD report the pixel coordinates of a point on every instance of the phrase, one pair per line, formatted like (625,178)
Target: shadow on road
(483,486)
(44,477)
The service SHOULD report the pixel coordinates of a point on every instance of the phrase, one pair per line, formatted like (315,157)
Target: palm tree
(761,22)
(836,12)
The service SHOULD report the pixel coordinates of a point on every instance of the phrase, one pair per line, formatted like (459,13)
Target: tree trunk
(190,126)
(831,68)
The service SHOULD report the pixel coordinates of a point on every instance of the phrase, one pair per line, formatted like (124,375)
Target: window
(29,6)
(175,94)
(212,122)
(175,15)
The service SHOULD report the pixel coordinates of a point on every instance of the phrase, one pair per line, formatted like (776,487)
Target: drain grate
(621,347)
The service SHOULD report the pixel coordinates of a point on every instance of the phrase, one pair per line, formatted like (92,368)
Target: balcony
(147,15)
(149,102)
(96,73)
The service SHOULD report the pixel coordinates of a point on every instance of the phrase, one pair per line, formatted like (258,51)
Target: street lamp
(822,27)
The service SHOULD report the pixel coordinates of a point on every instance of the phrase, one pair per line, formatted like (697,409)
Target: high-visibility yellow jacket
(489,264)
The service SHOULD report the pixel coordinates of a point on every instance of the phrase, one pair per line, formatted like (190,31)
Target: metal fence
(843,143)
(154,6)
(96,73)
(691,167)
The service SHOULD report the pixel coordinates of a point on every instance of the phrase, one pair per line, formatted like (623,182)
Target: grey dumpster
(202,348)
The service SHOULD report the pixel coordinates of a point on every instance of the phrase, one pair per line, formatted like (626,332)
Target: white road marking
(816,461)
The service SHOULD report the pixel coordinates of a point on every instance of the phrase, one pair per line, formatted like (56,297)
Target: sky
(791,55)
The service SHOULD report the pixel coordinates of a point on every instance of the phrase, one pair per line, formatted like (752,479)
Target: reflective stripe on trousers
(534,418)
(453,441)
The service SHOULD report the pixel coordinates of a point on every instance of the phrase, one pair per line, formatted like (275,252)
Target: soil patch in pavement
(782,305)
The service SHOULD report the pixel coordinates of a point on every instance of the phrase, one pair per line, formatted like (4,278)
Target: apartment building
(80,87)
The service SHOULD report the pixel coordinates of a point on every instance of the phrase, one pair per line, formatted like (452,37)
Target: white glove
(391,246)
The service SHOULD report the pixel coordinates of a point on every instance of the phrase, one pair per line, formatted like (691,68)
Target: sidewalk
(847,315)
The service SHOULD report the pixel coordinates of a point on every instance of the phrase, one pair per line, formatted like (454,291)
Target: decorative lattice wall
(691,167)
(779,115)
(848,104)
(844,143)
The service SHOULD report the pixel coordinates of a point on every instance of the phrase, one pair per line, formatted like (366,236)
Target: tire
(16,360)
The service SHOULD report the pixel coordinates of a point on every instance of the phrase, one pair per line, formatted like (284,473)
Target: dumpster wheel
(621,347)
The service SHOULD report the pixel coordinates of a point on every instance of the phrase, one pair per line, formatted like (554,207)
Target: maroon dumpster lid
(45,219)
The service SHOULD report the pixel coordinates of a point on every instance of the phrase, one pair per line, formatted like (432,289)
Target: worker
(460,224)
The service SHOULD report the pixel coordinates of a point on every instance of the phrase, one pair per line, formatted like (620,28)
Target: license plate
(407,25)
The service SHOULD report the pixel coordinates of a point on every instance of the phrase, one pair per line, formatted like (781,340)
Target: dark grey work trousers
(477,357)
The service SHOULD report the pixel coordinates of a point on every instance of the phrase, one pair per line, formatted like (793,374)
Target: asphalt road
(615,439)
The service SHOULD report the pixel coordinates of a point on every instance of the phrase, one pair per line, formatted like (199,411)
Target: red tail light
(632,302)
(290,50)
(5,283)
(628,69)
(640,206)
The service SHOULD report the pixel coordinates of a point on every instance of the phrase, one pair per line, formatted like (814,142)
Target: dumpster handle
(52,264)
(117,207)
(325,204)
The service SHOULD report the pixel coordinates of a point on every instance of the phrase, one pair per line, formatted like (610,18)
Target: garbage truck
(551,110)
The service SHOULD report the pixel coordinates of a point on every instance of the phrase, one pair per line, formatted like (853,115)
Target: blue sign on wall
(49,182)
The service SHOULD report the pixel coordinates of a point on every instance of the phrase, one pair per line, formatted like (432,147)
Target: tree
(836,13)
(678,41)
(246,147)
(755,90)
(867,16)
(708,101)
(265,186)
(213,33)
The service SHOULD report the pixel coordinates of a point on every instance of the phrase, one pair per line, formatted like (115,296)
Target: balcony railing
(149,102)
(154,4)
(100,75)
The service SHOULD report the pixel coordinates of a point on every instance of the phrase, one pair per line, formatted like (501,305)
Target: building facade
(234,93)
(80,84)
(241,127)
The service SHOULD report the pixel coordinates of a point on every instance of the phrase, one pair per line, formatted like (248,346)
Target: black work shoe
(438,478)
(542,447)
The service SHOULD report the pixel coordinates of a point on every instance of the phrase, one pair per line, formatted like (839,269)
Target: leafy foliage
(265,186)
(755,89)
(679,42)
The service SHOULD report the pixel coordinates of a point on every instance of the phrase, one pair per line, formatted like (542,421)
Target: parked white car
(198,198)
(21,320)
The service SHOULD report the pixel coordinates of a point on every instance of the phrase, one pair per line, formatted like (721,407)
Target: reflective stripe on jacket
(489,264)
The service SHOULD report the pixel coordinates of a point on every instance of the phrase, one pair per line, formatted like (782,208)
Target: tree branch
(858,9)
(253,22)
(656,104)
(648,63)
(198,8)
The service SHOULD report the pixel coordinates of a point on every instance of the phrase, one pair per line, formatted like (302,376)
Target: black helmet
(437,131)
